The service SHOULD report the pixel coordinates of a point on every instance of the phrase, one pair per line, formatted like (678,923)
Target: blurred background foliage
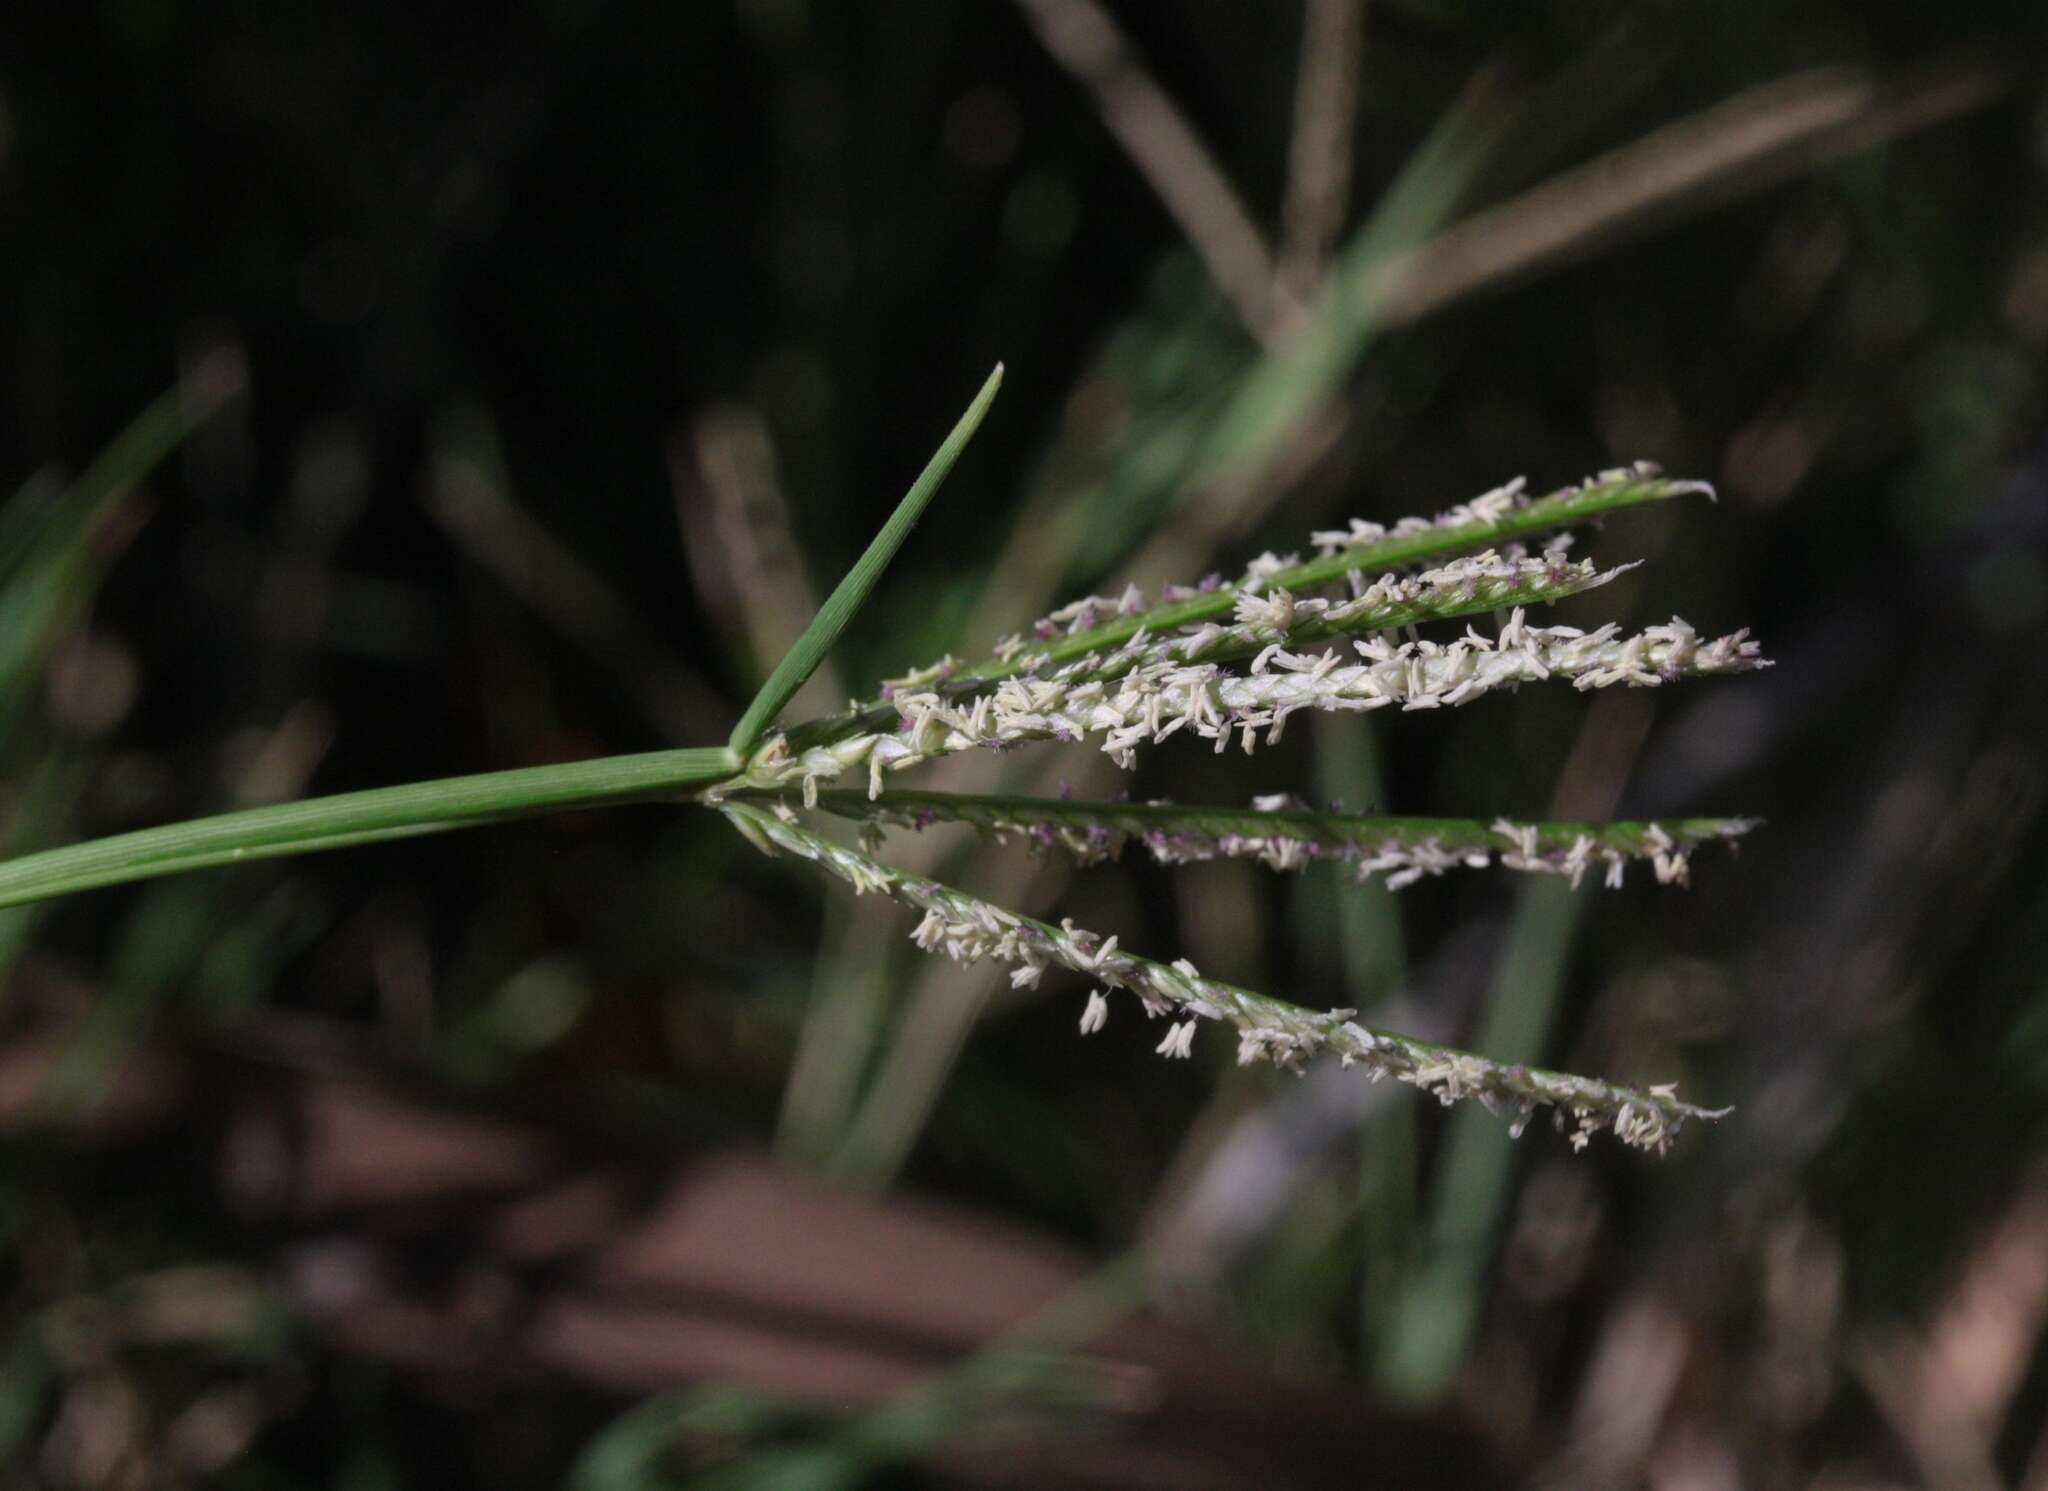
(532,366)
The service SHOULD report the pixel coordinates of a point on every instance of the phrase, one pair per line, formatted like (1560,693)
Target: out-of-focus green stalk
(1431,1322)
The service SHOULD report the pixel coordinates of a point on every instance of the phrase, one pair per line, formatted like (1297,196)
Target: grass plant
(1226,661)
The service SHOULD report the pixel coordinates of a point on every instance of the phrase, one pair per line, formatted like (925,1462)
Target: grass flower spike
(1283,834)
(1224,663)
(1229,664)
(967,929)
(1147,692)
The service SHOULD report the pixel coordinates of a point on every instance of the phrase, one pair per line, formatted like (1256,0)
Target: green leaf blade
(351,818)
(803,658)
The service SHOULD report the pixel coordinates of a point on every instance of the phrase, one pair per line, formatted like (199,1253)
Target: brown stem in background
(528,561)
(1085,40)
(1319,154)
(1736,148)
(740,541)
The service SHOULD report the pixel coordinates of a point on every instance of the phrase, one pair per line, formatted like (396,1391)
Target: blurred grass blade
(49,548)
(1284,388)
(353,818)
(799,662)
(1431,1320)
(44,804)
(164,939)
(1348,768)
(1373,952)
(1196,480)
(27,1377)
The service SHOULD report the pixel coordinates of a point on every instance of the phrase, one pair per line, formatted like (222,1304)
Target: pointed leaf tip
(803,657)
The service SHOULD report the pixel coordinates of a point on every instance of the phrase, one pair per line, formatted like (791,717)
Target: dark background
(575,347)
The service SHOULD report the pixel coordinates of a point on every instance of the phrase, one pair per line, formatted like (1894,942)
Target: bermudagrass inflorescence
(1220,662)
(1229,663)
(1155,671)
(969,929)
(1282,833)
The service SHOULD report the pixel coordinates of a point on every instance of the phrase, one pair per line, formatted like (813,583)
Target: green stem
(352,818)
